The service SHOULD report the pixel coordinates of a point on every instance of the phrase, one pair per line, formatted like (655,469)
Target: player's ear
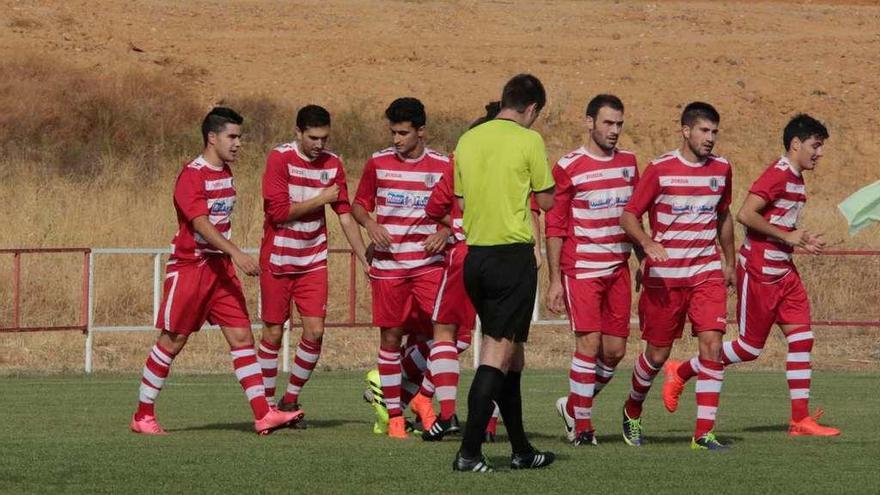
(421,132)
(686,131)
(795,144)
(590,122)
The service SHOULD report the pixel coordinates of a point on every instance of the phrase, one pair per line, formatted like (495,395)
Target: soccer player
(768,284)
(587,252)
(301,177)
(200,280)
(687,194)
(407,264)
(497,165)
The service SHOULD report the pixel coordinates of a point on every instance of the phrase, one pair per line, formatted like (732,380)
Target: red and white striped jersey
(398,190)
(298,246)
(201,190)
(591,192)
(683,200)
(782,187)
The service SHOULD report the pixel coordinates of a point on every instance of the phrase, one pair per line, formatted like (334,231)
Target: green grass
(69,434)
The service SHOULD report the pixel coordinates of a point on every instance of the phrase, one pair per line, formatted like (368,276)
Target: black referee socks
(510,403)
(486,387)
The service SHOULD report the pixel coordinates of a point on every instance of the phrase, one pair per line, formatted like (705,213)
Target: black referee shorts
(501,282)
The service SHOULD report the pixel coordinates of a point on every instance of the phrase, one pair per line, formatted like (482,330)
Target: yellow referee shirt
(497,166)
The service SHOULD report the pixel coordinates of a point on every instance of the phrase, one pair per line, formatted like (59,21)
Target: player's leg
(310,295)
(275,306)
(661,318)
(707,311)
(794,311)
(228,309)
(181,312)
(616,307)
(583,302)
(153,377)
(392,306)
(441,379)
(756,312)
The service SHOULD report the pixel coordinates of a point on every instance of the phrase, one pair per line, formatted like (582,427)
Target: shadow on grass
(766,428)
(249,427)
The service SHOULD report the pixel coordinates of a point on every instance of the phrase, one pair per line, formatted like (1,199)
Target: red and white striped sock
(244,360)
(428,388)
(153,378)
(738,351)
(581,386)
(642,377)
(708,391)
(267,356)
(798,371)
(689,368)
(492,427)
(413,367)
(444,371)
(390,378)
(604,374)
(304,362)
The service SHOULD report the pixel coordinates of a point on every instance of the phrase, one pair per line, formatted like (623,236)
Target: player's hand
(329,194)
(436,241)
(729,276)
(379,235)
(246,263)
(556,298)
(539,259)
(813,243)
(655,251)
(640,274)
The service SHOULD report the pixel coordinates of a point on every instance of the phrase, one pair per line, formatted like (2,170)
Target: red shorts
(206,291)
(397,301)
(662,311)
(453,305)
(760,305)
(600,304)
(307,290)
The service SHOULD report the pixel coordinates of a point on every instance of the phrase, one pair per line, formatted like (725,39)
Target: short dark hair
(523,90)
(217,119)
(603,100)
(492,109)
(697,110)
(803,127)
(312,116)
(407,109)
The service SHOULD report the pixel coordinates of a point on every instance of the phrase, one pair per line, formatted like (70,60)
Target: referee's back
(497,166)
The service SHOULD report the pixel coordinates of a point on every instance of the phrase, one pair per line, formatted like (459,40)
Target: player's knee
(172,342)
(272,333)
(611,357)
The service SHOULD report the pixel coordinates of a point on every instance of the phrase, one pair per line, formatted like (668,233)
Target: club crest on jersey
(713,184)
(325,177)
(626,175)
(429,180)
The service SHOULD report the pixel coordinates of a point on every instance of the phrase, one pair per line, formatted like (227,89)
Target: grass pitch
(68,434)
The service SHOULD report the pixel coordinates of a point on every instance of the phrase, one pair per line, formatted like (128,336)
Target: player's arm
(326,196)
(536,228)
(435,242)
(541,177)
(352,233)
(556,229)
(440,202)
(728,250)
(206,229)
(749,214)
(364,203)
(644,195)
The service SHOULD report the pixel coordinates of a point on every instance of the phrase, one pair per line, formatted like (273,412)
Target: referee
(497,166)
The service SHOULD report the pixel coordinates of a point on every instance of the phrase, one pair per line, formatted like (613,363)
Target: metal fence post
(157,287)
(91,317)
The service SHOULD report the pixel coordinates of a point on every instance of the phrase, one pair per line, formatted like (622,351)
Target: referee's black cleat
(532,460)
(476,465)
(441,428)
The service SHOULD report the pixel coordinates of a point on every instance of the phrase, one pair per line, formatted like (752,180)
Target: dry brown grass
(89,159)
